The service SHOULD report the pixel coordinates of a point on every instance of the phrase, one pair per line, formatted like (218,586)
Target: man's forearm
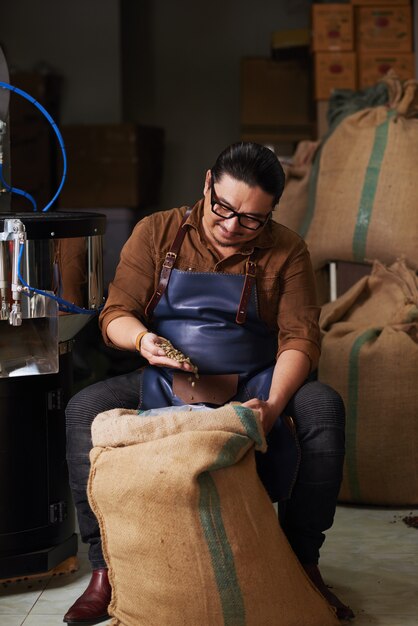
(291,370)
(123,332)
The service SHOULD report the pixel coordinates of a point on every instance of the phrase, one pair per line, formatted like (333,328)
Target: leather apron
(197,313)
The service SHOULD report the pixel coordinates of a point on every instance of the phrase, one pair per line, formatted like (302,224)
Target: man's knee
(117,392)
(83,407)
(317,403)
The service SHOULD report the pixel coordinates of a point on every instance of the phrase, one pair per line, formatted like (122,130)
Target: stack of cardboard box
(109,165)
(333,48)
(112,165)
(354,45)
(33,146)
(384,40)
(276,92)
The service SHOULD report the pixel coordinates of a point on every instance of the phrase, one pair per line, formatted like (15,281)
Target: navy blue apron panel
(256,386)
(197,314)
(278,467)
(155,389)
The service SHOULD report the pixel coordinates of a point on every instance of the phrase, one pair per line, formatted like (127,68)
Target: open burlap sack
(189,533)
(370,355)
(363,205)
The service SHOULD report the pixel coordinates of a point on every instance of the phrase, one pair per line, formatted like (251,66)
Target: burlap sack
(364,204)
(294,202)
(370,355)
(293,205)
(189,533)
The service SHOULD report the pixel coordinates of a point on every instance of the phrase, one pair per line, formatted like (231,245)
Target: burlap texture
(293,204)
(189,533)
(370,355)
(364,205)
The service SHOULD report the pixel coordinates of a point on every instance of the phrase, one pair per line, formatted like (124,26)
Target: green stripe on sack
(352,410)
(312,189)
(216,538)
(368,192)
(248,420)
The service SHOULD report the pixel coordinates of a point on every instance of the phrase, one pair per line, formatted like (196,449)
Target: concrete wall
(173,64)
(181,65)
(79,39)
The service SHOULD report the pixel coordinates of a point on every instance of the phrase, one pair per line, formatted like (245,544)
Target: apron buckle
(170,259)
(251,268)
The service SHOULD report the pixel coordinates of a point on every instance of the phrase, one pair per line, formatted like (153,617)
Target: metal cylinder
(62,255)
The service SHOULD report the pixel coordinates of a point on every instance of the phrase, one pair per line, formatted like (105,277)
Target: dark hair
(253,164)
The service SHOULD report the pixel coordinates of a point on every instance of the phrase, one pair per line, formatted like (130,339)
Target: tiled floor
(370,559)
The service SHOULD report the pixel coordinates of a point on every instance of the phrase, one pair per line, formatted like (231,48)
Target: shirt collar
(264,240)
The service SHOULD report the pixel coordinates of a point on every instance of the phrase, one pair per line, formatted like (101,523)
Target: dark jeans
(318,412)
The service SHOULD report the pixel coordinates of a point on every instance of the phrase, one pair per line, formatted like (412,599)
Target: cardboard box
(372,67)
(291,44)
(33,143)
(380,2)
(332,27)
(276,100)
(384,28)
(112,165)
(44,88)
(334,70)
(32,160)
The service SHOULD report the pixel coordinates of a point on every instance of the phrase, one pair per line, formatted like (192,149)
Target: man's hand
(268,413)
(152,351)
(291,369)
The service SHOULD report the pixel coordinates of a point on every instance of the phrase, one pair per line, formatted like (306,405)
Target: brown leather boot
(91,606)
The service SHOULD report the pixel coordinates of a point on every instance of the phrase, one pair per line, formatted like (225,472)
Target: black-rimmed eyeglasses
(244,220)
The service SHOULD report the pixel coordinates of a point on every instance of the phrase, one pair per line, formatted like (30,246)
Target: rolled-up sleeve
(298,313)
(133,284)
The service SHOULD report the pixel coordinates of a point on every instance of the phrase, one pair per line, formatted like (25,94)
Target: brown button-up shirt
(285,281)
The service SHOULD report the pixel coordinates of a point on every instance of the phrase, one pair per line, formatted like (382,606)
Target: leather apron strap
(250,274)
(169,262)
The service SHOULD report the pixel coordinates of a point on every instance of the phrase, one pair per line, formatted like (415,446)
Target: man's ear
(208,178)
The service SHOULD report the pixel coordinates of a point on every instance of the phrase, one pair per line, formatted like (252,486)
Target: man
(233,291)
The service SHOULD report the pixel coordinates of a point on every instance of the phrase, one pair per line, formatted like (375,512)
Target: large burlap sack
(363,201)
(189,533)
(370,355)
(293,204)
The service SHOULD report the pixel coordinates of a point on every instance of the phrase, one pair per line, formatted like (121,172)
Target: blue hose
(17,191)
(64,305)
(44,112)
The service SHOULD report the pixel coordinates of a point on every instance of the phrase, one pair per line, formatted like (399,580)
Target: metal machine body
(51,285)
(63,255)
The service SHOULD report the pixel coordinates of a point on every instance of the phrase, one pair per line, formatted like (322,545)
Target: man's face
(252,204)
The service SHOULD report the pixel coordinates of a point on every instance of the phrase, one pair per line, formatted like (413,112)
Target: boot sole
(87,622)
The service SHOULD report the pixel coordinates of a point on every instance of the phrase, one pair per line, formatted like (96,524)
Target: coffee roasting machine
(51,285)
